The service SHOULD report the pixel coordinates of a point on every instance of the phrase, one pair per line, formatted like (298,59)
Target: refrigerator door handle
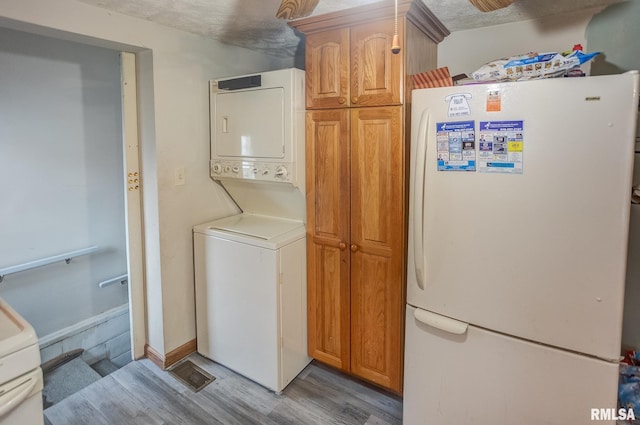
(418,198)
(440,322)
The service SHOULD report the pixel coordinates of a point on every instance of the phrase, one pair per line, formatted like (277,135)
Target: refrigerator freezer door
(482,377)
(539,255)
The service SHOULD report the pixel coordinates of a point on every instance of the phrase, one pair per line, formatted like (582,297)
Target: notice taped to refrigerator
(456,146)
(500,147)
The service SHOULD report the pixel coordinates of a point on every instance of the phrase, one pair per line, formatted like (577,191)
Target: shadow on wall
(615,32)
(265,33)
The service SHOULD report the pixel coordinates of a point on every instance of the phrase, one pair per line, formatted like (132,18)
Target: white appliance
(250,268)
(251,297)
(519,213)
(20,373)
(257,130)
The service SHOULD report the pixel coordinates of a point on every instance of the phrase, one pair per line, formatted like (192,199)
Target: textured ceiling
(252,23)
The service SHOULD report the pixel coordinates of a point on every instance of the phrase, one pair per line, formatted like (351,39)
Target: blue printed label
(501,147)
(456,146)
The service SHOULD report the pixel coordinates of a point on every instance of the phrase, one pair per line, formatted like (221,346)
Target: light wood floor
(142,394)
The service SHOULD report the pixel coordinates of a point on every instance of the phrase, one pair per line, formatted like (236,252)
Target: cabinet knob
(354,248)
(342,100)
(342,246)
(354,99)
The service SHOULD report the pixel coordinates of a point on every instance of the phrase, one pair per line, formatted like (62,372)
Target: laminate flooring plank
(223,404)
(292,412)
(333,391)
(118,406)
(231,398)
(246,394)
(171,406)
(384,405)
(335,394)
(140,393)
(352,414)
(314,398)
(75,410)
(374,420)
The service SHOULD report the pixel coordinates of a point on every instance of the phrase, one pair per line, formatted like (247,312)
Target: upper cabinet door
(327,63)
(376,73)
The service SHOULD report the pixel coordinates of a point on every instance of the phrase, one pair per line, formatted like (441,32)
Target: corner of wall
(620,53)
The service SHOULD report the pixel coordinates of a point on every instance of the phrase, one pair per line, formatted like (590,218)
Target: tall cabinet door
(377,241)
(328,259)
(327,64)
(376,73)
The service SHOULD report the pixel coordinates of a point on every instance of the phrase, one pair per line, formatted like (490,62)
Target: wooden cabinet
(355,242)
(377,245)
(358,105)
(328,221)
(354,67)
(376,73)
(327,69)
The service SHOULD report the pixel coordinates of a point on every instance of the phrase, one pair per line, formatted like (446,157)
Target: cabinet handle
(354,99)
(342,100)
(342,246)
(354,248)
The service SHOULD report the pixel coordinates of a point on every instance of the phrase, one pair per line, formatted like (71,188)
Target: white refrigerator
(518,220)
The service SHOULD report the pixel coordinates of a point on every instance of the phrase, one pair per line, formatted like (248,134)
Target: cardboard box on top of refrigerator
(435,78)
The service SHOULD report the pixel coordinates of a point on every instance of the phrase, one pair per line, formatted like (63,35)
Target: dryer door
(248,124)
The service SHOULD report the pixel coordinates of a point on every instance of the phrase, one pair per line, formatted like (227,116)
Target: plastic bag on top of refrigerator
(533,66)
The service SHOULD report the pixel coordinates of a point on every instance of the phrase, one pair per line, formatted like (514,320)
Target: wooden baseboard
(173,356)
(154,356)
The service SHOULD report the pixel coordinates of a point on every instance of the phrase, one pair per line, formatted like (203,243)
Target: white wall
(174,69)
(61,177)
(615,32)
(465,51)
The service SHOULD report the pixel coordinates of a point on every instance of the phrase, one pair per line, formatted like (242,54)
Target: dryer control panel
(252,170)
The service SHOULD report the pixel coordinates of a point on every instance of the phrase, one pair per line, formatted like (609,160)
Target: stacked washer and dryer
(250,268)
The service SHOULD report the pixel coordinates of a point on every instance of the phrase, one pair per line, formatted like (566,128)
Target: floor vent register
(191,375)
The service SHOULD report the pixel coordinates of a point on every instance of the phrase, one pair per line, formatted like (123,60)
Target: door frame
(133,203)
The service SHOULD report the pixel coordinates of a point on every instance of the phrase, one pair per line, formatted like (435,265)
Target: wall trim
(76,328)
(154,356)
(173,356)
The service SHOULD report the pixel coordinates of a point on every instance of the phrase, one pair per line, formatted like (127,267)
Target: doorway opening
(71,184)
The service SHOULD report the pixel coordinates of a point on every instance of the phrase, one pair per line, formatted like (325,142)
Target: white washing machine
(20,373)
(251,303)
(250,268)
